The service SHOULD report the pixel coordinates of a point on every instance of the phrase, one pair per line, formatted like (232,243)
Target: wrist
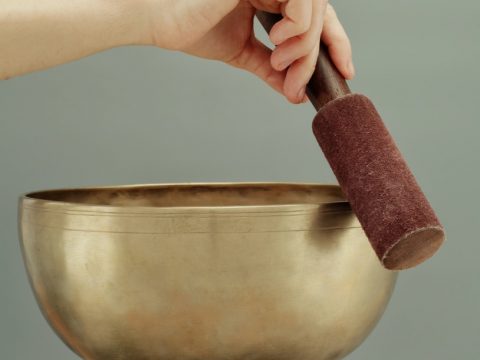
(133,22)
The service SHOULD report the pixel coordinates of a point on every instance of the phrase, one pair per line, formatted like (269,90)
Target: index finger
(297,18)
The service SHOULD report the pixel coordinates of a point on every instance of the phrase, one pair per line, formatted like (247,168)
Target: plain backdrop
(143,115)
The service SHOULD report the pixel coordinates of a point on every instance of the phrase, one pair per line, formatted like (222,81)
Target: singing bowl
(217,271)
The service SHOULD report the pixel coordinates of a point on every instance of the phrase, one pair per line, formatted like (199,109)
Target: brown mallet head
(392,209)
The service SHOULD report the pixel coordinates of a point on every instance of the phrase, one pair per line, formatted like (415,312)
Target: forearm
(37,34)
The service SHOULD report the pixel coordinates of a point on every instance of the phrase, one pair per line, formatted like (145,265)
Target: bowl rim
(31,200)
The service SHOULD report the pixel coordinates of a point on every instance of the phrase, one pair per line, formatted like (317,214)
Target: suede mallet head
(397,218)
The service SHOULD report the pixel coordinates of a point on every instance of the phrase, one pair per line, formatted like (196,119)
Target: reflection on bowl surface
(230,271)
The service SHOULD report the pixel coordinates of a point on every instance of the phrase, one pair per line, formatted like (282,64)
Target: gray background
(142,115)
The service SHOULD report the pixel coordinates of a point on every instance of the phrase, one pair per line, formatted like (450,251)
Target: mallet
(392,209)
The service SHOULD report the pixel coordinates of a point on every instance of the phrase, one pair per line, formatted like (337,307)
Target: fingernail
(301,93)
(351,68)
(277,38)
(283,65)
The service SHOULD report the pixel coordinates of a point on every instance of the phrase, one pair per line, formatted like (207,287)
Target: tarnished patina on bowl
(215,271)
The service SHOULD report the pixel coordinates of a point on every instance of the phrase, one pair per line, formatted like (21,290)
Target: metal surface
(203,271)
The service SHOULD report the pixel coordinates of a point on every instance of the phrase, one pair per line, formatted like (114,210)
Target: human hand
(223,30)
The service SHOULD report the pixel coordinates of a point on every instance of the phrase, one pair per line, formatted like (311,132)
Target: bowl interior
(195,195)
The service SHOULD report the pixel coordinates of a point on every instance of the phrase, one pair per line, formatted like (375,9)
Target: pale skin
(38,34)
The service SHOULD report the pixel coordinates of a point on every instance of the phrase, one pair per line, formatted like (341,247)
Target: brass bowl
(257,271)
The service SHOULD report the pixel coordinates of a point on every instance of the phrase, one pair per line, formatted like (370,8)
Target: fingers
(339,47)
(298,76)
(255,58)
(290,66)
(297,15)
(300,54)
(297,37)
